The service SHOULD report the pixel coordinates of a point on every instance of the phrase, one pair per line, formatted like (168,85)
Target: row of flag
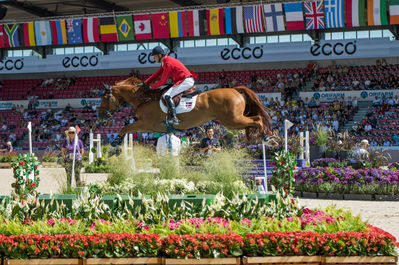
(319,14)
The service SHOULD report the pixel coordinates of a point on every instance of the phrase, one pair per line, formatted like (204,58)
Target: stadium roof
(18,10)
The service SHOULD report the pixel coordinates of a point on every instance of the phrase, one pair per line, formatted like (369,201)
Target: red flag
(142,26)
(160,25)
(2,45)
(90,30)
(77,129)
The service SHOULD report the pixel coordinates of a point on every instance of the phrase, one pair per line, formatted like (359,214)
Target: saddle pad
(185,105)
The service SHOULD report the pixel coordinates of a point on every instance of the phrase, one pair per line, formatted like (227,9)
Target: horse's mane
(147,95)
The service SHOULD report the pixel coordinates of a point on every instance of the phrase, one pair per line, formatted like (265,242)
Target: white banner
(361,95)
(261,53)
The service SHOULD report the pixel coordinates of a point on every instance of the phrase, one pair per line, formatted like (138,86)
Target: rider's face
(157,58)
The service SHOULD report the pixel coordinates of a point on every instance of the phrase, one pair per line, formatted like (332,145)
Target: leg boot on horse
(172,120)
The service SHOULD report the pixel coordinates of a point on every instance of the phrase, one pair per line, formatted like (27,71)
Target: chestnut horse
(236,108)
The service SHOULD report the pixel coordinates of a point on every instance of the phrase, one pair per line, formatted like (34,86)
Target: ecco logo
(146,57)
(337,49)
(77,61)
(245,53)
(11,64)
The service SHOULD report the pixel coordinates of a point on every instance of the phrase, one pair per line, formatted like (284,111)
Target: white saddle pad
(185,105)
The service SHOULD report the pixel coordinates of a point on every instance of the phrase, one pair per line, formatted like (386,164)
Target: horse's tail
(255,107)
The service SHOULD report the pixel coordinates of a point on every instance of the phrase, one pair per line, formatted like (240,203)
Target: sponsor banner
(263,96)
(52,103)
(361,95)
(270,52)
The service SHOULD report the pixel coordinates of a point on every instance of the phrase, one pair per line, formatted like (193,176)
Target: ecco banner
(259,53)
(361,95)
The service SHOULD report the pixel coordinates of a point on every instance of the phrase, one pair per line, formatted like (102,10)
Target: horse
(236,108)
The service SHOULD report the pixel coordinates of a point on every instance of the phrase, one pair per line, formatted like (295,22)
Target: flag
(214,19)
(90,30)
(196,22)
(334,12)
(274,17)
(142,27)
(58,32)
(177,24)
(394,11)
(11,32)
(43,33)
(314,15)
(294,16)
(377,12)
(108,29)
(74,28)
(29,34)
(124,26)
(253,19)
(355,13)
(160,25)
(77,129)
(2,44)
(234,20)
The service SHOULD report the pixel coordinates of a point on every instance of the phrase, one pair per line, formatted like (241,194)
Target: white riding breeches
(183,86)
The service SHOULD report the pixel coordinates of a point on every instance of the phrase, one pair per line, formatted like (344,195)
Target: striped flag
(11,32)
(2,44)
(233,20)
(196,23)
(29,34)
(43,33)
(108,29)
(274,17)
(314,15)
(90,30)
(177,24)
(377,12)
(334,11)
(394,11)
(215,23)
(253,19)
(58,32)
(160,25)
(294,16)
(142,27)
(355,13)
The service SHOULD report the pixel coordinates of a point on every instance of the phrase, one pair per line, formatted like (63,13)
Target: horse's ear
(107,88)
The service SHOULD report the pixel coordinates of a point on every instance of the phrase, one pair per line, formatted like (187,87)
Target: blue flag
(74,29)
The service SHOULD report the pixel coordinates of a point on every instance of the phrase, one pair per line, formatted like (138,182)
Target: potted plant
(321,140)
(347,143)
(7,159)
(49,159)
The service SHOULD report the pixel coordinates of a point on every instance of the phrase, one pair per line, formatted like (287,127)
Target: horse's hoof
(117,141)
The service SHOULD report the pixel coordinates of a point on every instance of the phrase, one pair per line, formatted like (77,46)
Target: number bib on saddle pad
(185,105)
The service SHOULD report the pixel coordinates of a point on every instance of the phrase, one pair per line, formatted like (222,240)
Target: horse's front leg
(137,126)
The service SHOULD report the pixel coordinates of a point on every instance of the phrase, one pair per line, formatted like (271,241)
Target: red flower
(22,163)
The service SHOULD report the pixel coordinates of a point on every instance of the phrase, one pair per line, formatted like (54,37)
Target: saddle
(176,99)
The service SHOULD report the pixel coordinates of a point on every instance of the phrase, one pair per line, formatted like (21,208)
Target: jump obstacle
(92,141)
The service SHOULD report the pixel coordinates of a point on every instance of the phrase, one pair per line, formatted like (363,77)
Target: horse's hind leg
(243,122)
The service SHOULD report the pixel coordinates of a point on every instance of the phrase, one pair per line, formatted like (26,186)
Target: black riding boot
(172,119)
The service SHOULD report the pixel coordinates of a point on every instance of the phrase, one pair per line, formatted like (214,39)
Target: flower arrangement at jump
(26,176)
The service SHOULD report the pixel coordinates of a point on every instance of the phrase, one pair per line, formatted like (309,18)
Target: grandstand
(317,73)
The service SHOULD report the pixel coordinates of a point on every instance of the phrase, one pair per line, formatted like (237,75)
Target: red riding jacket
(170,67)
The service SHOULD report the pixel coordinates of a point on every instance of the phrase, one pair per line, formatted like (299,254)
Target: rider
(170,68)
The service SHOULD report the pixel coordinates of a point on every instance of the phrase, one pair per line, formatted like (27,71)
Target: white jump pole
(307,148)
(98,143)
(130,138)
(264,165)
(287,125)
(91,155)
(30,138)
(301,145)
(125,144)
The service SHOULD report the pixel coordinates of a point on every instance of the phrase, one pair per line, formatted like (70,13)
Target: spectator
(67,153)
(209,144)
(168,144)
